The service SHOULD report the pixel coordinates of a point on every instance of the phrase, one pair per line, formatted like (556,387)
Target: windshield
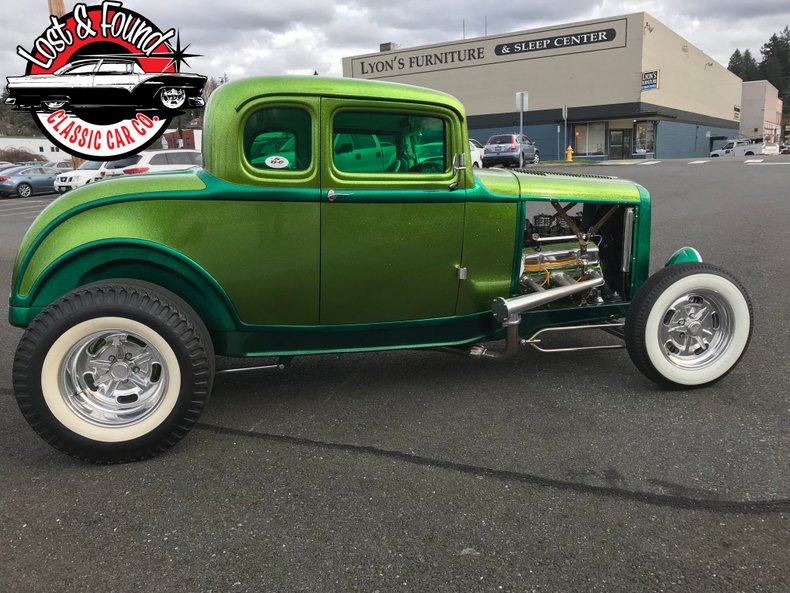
(127,162)
(91,166)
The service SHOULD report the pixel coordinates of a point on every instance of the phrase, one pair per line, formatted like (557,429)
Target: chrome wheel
(24,190)
(696,330)
(113,378)
(172,98)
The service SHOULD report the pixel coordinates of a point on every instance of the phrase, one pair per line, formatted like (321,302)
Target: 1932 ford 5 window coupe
(335,216)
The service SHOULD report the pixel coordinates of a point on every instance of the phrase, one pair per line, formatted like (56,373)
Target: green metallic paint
(248,248)
(130,258)
(684,255)
(489,245)
(389,262)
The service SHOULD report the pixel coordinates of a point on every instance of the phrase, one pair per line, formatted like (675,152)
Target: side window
(279,138)
(381,142)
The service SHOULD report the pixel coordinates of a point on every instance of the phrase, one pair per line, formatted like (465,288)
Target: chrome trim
(506,311)
(534,340)
(628,239)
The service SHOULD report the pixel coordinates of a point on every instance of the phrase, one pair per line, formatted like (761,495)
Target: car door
(391,224)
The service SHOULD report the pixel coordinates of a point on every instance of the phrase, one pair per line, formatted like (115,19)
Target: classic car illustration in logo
(107,82)
(104,82)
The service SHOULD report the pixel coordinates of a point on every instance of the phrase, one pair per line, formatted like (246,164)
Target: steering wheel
(433,165)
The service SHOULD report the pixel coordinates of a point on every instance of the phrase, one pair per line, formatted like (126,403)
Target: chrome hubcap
(173,98)
(113,378)
(696,330)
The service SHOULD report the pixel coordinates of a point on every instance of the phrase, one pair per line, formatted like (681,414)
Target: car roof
(236,93)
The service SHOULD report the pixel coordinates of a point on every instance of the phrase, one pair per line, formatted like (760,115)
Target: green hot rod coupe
(335,216)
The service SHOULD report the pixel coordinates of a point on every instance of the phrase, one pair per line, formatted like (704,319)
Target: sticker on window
(277,162)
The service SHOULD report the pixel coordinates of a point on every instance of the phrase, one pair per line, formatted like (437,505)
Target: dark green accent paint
(140,260)
(684,255)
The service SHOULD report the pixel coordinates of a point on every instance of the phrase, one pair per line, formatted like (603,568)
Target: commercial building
(632,88)
(761,110)
(41,147)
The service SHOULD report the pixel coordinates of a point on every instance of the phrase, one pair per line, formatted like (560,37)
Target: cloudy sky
(251,37)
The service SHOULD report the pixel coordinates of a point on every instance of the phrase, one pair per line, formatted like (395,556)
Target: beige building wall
(761,113)
(689,79)
(544,62)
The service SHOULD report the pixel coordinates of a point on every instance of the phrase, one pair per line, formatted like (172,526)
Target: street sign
(522,101)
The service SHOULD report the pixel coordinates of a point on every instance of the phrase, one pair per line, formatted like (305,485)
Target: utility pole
(57,8)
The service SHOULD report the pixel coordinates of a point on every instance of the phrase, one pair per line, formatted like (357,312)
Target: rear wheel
(114,372)
(536,159)
(24,190)
(172,98)
(688,325)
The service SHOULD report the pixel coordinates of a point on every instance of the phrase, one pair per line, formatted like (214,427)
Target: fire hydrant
(569,153)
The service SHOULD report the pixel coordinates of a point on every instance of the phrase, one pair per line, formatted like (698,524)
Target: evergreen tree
(751,70)
(771,70)
(736,63)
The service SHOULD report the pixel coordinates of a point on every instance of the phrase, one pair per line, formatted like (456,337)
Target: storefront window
(644,137)
(589,139)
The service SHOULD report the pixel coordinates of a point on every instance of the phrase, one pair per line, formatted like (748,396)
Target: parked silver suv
(510,149)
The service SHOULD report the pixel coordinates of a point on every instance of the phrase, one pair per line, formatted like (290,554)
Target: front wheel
(688,325)
(114,372)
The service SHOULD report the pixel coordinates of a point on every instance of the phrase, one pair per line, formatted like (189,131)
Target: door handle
(332,195)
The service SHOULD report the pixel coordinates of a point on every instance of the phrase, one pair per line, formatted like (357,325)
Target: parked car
(128,290)
(153,161)
(24,181)
(88,172)
(61,165)
(510,150)
(476,154)
(99,82)
(784,149)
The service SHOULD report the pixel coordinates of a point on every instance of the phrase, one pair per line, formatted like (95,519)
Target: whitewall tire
(114,372)
(689,325)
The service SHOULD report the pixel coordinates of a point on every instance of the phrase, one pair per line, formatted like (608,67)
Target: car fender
(684,255)
(130,259)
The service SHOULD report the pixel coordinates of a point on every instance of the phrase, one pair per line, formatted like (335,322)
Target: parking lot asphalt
(419,471)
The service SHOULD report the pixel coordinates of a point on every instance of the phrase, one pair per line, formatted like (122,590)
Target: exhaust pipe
(508,313)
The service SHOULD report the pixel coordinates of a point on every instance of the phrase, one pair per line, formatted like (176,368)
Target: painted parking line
(649,163)
(765,164)
(698,162)
(12,201)
(26,207)
(28,211)
(752,161)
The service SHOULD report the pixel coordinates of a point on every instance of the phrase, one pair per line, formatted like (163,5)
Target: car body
(25,180)
(739,147)
(153,161)
(86,173)
(769,148)
(103,82)
(282,246)
(475,154)
(512,150)
(784,149)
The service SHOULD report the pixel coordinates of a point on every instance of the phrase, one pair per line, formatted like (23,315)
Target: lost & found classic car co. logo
(104,82)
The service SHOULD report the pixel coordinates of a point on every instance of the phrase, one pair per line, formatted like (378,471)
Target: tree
(771,70)
(736,63)
(751,70)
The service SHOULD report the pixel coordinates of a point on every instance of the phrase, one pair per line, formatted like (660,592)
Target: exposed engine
(567,247)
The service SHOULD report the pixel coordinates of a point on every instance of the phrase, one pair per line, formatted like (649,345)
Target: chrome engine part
(550,265)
